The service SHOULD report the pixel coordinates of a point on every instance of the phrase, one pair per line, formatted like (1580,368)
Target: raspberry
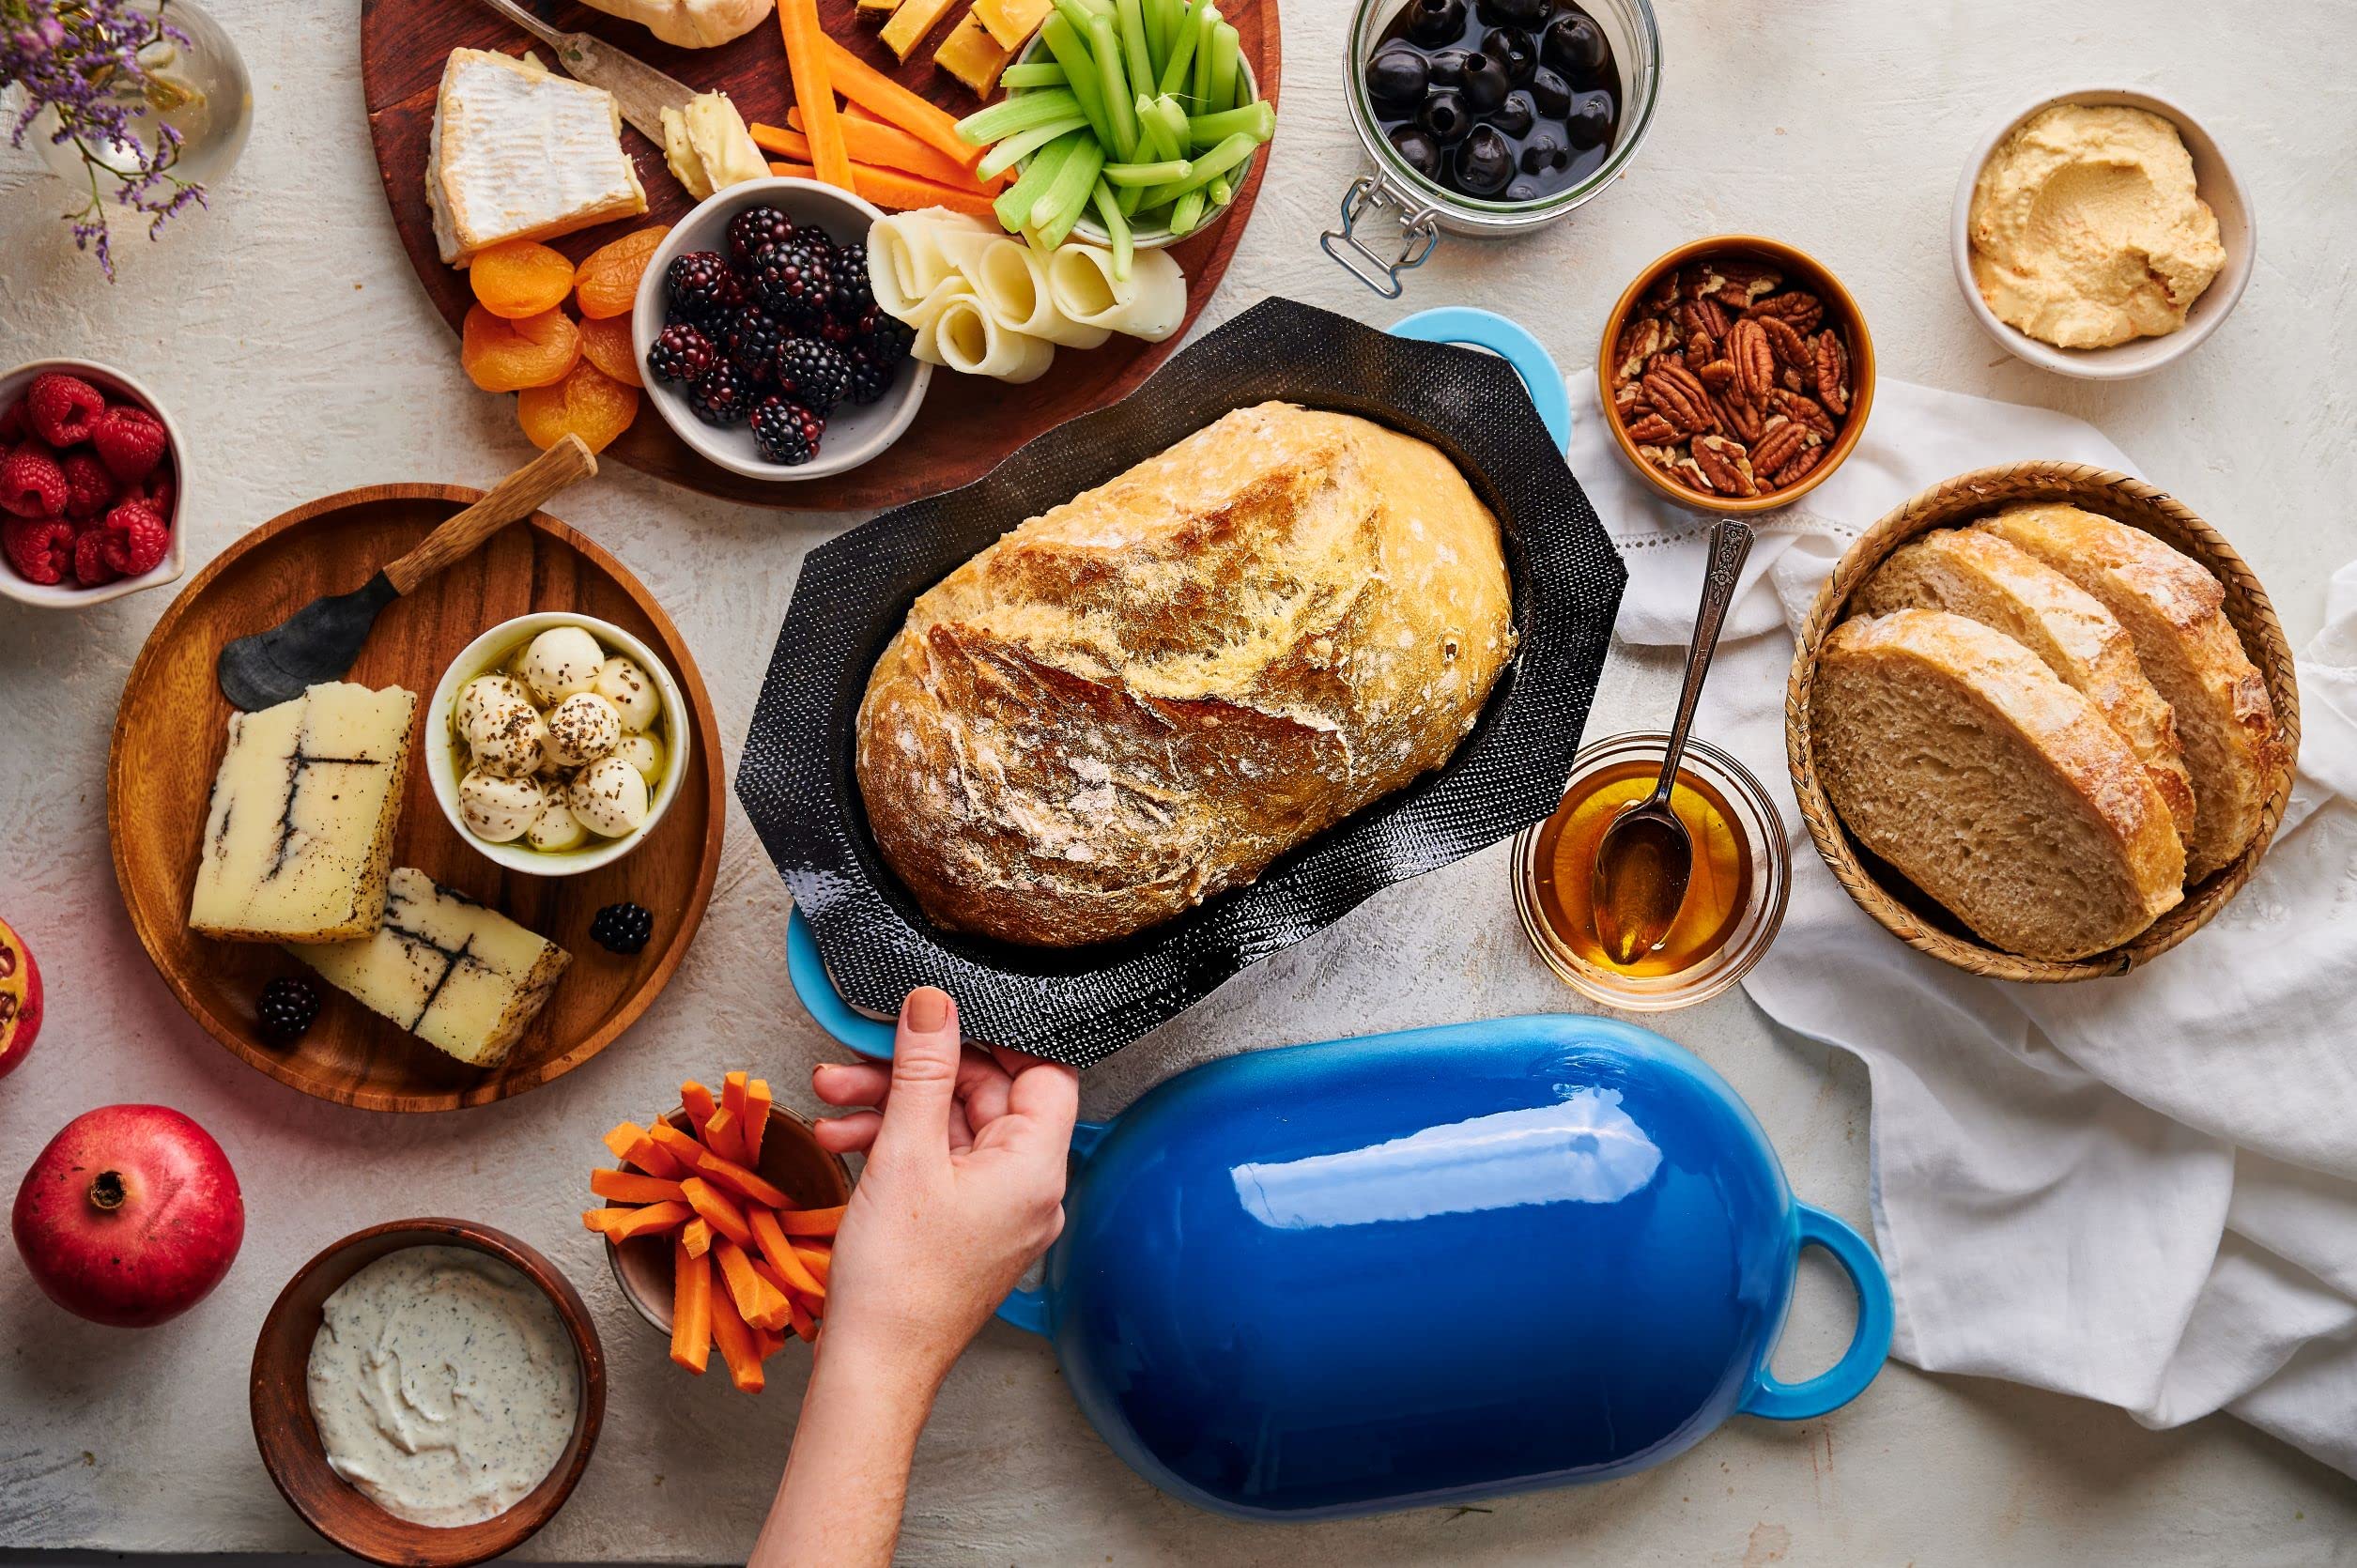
(159,492)
(90,488)
(794,280)
(61,406)
(136,539)
(812,373)
(12,426)
(90,566)
(755,230)
(681,352)
(786,432)
(40,549)
(700,287)
(31,482)
(130,440)
(722,397)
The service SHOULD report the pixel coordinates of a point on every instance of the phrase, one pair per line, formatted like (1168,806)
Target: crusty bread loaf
(1981,578)
(1149,693)
(2190,651)
(1955,754)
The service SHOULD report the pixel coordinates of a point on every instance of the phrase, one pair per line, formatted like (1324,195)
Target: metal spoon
(1646,856)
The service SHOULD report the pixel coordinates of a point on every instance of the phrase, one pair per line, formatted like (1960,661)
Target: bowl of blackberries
(763,348)
(1504,113)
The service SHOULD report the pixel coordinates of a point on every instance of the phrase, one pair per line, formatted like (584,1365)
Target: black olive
(1550,92)
(1544,154)
(1484,162)
(1513,49)
(1436,22)
(1573,45)
(1514,13)
(1516,115)
(1446,68)
(1524,190)
(1417,147)
(1396,79)
(1590,120)
(1446,117)
(1486,85)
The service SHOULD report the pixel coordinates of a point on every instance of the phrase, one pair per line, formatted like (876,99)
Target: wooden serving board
(967,423)
(168,738)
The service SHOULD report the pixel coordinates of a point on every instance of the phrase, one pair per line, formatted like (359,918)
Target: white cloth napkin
(2140,1190)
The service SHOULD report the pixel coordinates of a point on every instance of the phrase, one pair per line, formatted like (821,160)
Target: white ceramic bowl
(486,653)
(856,433)
(2213,176)
(115,385)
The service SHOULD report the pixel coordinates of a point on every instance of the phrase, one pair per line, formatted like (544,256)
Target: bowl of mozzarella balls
(561,741)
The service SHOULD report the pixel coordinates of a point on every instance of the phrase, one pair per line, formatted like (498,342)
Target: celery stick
(1206,44)
(1022,145)
(1075,14)
(1175,69)
(1187,214)
(1116,227)
(1112,84)
(1071,49)
(1130,26)
(1157,21)
(1032,73)
(1014,112)
(1147,174)
(1256,120)
(1225,49)
(1061,206)
(1013,205)
(1217,162)
(1217,195)
(1174,120)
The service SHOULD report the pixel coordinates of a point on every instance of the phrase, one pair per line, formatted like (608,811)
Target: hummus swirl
(2086,230)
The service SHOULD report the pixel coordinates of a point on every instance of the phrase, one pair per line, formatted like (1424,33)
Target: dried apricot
(521,278)
(509,356)
(607,283)
(606,343)
(588,402)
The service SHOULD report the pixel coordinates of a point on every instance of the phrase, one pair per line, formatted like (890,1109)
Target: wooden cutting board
(967,423)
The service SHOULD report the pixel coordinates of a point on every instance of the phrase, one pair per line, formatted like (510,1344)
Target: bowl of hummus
(2101,234)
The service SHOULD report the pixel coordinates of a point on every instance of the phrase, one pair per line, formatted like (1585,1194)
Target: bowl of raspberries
(761,343)
(91,481)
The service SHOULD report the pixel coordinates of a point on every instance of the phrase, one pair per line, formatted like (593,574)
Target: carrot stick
(808,1222)
(691,1308)
(629,1141)
(855,112)
(811,64)
(769,1342)
(820,1264)
(696,1100)
(630,1187)
(620,1224)
(714,1209)
(889,187)
(874,142)
(732,1095)
(728,1173)
(758,1104)
(780,1251)
(803,1324)
(696,1235)
(870,88)
(722,1136)
(777,1282)
(761,1303)
(737,1346)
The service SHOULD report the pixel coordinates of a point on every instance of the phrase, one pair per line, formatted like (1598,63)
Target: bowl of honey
(1735,898)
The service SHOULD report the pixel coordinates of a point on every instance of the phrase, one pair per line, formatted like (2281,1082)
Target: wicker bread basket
(1881,891)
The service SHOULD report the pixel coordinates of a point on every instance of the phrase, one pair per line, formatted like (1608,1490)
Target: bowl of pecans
(1735,374)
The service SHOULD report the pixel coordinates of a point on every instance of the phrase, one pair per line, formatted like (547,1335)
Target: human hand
(963,1186)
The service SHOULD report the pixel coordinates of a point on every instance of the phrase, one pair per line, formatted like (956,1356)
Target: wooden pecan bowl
(1732,426)
(1880,890)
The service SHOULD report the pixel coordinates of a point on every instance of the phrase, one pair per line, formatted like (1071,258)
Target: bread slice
(1981,578)
(1952,752)
(2190,652)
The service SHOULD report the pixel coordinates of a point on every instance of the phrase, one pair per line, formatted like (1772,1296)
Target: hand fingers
(851,1083)
(926,1059)
(982,1090)
(1042,1103)
(850,1134)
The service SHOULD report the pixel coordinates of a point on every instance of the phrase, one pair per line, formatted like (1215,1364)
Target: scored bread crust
(2172,608)
(1985,579)
(1146,694)
(1953,753)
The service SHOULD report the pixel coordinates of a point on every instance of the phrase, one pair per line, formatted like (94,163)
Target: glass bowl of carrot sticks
(719,1220)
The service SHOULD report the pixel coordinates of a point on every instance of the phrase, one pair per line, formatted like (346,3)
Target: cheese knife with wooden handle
(640,91)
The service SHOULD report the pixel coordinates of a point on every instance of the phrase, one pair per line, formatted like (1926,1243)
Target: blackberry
(700,287)
(869,379)
(751,341)
(287,1009)
(621,929)
(812,373)
(851,297)
(755,230)
(681,353)
(723,397)
(786,432)
(794,280)
(886,339)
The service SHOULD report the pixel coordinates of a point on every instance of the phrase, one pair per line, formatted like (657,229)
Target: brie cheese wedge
(300,831)
(462,977)
(519,153)
(708,146)
(690,24)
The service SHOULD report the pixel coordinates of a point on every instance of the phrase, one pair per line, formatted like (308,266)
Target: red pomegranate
(20,999)
(130,1216)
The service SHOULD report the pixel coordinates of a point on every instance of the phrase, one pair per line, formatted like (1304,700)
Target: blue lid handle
(1466,327)
(1848,1378)
(1027,1306)
(807,971)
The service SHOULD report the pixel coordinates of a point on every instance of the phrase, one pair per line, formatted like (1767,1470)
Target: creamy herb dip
(443,1384)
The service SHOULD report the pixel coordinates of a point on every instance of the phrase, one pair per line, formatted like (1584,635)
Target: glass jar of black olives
(1487,117)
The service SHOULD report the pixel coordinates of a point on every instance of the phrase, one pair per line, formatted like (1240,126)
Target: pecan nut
(1725,465)
(1754,359)
(1778,446)
(1799,468)
(1833,371)
(1738,414)
(1718,376)
(1797,308)
(1803,410)
(1703,318)
(1652,431)
(1791,347)
(1681,399)
(1644,339)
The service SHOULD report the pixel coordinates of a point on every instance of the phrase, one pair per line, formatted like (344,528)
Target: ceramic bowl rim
(174,561)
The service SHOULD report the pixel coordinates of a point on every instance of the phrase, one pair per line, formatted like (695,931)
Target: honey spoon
(1646,856)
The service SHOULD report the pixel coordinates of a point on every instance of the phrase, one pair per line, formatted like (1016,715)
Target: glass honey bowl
(1735,900)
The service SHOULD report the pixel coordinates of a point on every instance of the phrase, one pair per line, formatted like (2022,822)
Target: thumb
(925,1056)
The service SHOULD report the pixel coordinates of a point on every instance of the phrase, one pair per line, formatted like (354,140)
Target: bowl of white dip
(427,1392)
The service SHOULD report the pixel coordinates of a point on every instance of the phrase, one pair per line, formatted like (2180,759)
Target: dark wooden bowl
(290,1439)
(792,1161)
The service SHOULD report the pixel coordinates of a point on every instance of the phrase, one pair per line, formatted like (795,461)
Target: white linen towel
(2140,1190)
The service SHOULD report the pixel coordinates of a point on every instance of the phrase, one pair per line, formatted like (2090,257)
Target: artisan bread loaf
(1147,694)
(1952,752)
(2189,650)
(1981,578)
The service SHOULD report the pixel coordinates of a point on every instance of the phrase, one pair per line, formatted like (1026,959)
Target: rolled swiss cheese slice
(1150,303)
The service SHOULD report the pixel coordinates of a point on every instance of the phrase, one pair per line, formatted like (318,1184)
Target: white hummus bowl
(2213,178)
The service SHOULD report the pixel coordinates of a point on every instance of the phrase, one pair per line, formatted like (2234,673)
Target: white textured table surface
(285,331)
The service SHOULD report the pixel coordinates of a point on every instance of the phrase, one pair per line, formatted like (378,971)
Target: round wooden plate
(168,743)
(967,426)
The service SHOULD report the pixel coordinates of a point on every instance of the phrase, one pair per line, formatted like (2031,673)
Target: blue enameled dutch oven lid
(1426,1266)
